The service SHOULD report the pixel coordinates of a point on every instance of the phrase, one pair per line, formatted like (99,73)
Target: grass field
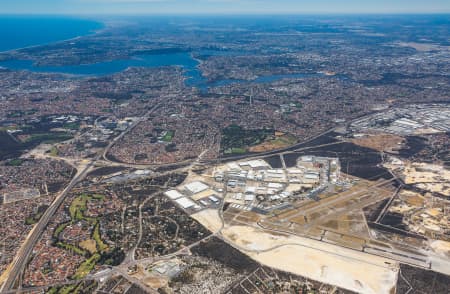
(72,126)
(15,162)
(168,136)
(59,229)
(48,138)
(235,151)
(34,218)
(101,246)
(280,140)
(78,207)
(89,245)
(54,151)
(71,248)
(237,140)
(86,267)
(93,248)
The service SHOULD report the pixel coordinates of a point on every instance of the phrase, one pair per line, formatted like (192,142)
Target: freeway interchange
(305,235)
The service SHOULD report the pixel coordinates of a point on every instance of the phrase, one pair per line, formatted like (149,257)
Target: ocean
(24,31)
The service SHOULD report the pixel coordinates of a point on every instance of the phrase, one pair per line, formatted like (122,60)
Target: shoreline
(92,32)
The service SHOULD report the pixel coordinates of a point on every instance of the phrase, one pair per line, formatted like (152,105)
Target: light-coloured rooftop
(196,187)
(173,194)
(185,202)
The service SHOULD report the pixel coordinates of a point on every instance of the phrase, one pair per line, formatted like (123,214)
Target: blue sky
(221,6)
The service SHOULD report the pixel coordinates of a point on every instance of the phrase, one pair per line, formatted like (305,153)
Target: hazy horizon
(219,7)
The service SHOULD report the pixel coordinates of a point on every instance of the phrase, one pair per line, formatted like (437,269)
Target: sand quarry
(327,263)
(431,177)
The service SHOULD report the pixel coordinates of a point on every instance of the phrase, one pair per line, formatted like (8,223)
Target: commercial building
(185,202)
(173,194)
(196,187)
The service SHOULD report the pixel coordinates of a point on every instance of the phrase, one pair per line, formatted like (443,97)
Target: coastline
(103,27)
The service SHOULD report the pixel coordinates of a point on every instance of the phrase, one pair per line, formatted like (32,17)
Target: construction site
(310,219)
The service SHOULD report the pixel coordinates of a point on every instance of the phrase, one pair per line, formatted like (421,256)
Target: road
(129,129)
(21,258)
(24,252)
(296,147)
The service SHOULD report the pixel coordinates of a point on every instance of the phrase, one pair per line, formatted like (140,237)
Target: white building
(173,194)
(250,190)
(196,187)
(185,202)
(249,197)
(255,164)
(275,185)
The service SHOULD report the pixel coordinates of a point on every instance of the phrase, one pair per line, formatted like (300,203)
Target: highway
(24,252)
(18,264)
(296,147)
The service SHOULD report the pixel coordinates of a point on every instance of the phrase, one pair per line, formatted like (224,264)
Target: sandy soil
(297,187)
(443,189)
(430,177)
(4,275)
(426,131)
(280,141)
(155,282)
(203,194)
(380,142)
(316,260)
(412,198)
(209,218)
(151,280)
(38,152)
(425,173)
(441,247)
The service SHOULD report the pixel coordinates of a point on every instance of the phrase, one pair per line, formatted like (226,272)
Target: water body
(24,31)
(108,67)
(185,60)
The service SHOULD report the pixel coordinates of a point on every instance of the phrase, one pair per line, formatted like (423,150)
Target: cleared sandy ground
(209,218)
(440,257)
(439,263)
(442,188)
(327,263)
(425,173)
(349,269)
(441,247)
(430,177)
(380,142)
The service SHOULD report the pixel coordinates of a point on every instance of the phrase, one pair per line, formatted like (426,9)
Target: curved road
(21,258)
(24,252)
